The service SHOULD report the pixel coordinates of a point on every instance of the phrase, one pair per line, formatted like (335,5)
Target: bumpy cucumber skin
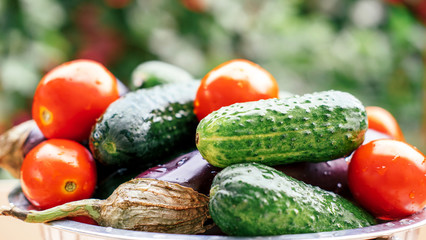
(146,125)
(310,128)
(251,199)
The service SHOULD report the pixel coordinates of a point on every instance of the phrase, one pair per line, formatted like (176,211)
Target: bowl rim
(386,229)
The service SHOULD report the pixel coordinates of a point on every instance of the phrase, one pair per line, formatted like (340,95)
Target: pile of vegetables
(230,152)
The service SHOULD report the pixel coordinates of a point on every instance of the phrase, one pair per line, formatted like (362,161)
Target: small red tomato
(70,98)
(58,171)
(388,178)
(234,81)
(383,121)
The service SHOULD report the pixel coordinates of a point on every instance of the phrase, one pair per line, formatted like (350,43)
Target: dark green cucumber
(310,128)
(251,199)
(153,73)
(146,125)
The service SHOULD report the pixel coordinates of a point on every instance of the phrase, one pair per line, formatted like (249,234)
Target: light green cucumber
(310,128)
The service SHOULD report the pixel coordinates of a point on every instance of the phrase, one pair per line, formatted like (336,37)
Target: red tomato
(383,121)
(58,171)
(70,98)
(388,178)
(234,81)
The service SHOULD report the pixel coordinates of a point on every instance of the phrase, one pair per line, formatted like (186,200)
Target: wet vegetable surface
(189,170)
(313,127)
(251,199)
(146,125)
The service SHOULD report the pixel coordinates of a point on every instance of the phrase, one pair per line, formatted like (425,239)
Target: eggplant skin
(189,170)
(34,138)
(330,175)
(122,88)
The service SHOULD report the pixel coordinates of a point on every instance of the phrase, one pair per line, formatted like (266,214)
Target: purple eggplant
(122,88)
(16,143)
(189,170)
(192,170)
(34,138)
(330,175)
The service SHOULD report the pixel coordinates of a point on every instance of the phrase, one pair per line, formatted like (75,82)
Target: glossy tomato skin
(70,98)
(58,171)
(237,80)
(383,121)
(388,178)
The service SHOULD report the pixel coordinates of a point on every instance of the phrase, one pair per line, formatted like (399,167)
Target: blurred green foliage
(366,47)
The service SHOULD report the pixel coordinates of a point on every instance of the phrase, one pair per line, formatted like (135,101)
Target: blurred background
(374,49)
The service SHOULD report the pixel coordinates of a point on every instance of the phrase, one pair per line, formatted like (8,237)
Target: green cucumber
(310,128)
(251,199)
(145,125)
(153,73)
